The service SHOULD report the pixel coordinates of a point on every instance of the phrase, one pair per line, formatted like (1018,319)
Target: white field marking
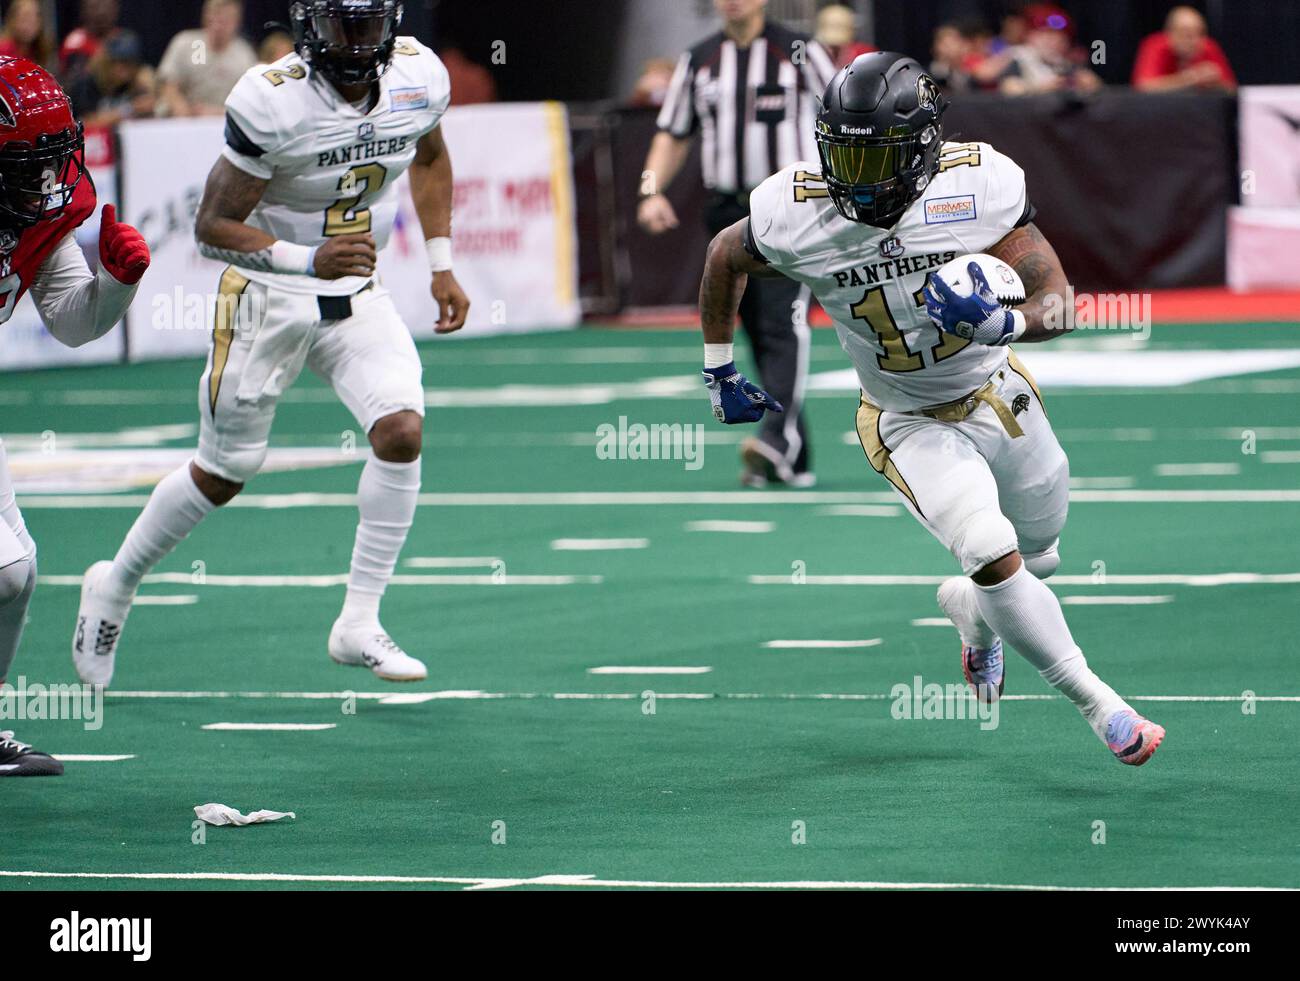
(1197,469)
(1280,456)
(1210,579)
(183,600)
(1115,600)
(134,502)
(91,758)
(401,698)
(932,622)
(663,669)
(591,881)
(598,544)
(451,561)
(269,726)
(733,527)
(862,510)
(809,645)
(1105,483)
(341,578)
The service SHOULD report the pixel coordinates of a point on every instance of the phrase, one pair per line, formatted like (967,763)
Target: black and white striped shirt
(754,106)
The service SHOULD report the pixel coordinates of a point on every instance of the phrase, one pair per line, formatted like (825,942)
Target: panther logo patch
(1020,404)
(927,92)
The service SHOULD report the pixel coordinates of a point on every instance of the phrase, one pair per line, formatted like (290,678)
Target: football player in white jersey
(949,415)
(300,204)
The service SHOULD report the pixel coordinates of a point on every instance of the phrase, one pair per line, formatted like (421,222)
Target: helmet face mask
(350,42)
(42,146)
(37,183)
(878,134)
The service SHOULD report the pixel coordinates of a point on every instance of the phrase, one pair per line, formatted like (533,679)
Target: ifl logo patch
(366,132)
(892,247)
(941,211)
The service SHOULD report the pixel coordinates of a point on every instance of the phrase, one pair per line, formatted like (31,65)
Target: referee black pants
(774,315)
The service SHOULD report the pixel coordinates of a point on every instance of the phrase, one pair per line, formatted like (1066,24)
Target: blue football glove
(735,398)
(978,317)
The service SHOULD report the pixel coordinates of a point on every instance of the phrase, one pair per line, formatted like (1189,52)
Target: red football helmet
(42,146)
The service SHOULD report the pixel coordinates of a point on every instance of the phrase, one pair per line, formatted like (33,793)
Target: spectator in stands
(471,83)
(201,66)
(116,85)
(1048,61)
(1014,30)
(25,35)
(652,87)
(950,52)
(275,46)
(837,32)
(1182,56)
(98,21)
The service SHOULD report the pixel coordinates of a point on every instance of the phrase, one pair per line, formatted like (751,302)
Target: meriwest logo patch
(406,100)
(940,211)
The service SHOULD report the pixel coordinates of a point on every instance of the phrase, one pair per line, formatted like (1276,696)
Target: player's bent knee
(985,537)
(13,580)
(1044,563)
(398,438)
(216,489)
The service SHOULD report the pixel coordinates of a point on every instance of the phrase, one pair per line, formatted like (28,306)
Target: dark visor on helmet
(361,30)
(38,184)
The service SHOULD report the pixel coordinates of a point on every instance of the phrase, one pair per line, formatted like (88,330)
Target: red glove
(122,250)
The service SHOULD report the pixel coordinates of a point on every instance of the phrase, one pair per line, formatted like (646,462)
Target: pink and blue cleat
(984,671)
(1131,738)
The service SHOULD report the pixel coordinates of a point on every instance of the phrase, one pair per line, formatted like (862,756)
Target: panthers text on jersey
(23,252)
(869,280)
(332,169)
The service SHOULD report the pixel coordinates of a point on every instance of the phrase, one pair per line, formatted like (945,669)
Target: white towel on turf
(220,815)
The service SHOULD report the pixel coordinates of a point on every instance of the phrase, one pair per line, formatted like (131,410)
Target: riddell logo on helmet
(856,130)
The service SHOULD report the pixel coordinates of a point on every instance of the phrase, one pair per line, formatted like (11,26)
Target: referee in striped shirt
(751,92)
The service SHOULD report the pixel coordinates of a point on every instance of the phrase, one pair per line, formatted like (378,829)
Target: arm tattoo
(727,269)
(1032,257)
(259,261)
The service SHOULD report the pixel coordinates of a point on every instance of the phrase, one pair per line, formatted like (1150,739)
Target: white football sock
(174,508)
(386,498)
(1028,617)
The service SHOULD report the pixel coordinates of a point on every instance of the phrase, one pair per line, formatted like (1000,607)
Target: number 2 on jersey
(344,217)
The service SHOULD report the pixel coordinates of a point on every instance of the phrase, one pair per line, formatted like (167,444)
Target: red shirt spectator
(1182,56)
(98,21)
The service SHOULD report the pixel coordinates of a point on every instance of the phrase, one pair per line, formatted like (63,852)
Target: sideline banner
(514,236)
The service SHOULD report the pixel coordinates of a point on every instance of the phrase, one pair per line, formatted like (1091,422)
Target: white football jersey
(869,279)
(332,169)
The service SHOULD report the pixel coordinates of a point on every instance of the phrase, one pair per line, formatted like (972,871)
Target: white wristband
(439,250)
(716,355)
(286,257)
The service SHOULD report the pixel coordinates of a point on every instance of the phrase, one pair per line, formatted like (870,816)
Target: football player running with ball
(300,204)
(949,416)
(45,195)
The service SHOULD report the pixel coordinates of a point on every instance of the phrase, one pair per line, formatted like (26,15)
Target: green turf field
(713,777)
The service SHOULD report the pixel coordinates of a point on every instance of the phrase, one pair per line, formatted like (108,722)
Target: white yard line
(90,758)
(182,600)
(451,561)
(269,726)
(663,669)
(1172,579)
(1197,469)
(809,645)
(82,502)
(598,544)
(473,695)
(1115,600)
(341,578)
(591,881)
(931,622)
(733,527)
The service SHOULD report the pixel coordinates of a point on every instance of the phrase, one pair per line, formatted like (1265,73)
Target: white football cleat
(370,647)
(981,650)
(99,627)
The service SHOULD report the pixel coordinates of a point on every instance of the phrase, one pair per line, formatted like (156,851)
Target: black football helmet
(350,42)
(879,132)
